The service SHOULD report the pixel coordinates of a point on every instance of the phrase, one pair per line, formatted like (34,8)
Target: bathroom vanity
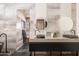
(55,44)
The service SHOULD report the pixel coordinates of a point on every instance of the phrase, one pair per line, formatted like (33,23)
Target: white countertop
(58,39)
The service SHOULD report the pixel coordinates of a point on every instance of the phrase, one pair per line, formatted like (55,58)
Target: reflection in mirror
(41,24)
(65,24)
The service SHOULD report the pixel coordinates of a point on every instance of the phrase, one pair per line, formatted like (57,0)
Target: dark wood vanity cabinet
(54,48)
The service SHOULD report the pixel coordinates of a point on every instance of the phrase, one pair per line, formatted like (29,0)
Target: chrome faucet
(5,41)
(73,31)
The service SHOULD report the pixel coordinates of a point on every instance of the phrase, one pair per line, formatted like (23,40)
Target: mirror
(41,24)
(65,24)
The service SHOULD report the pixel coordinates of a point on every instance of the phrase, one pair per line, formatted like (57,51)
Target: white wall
(10,10)
(41,11)
(2,6)
(77,21)
(32,22)
(65,9)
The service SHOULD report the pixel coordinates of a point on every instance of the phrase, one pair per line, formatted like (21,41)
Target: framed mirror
(65,24)
(41,24)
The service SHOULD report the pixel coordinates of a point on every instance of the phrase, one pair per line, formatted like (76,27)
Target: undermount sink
(70,36)
(40,36)
(1,46)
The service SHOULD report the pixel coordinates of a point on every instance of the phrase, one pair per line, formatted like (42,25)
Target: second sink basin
(70,36)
